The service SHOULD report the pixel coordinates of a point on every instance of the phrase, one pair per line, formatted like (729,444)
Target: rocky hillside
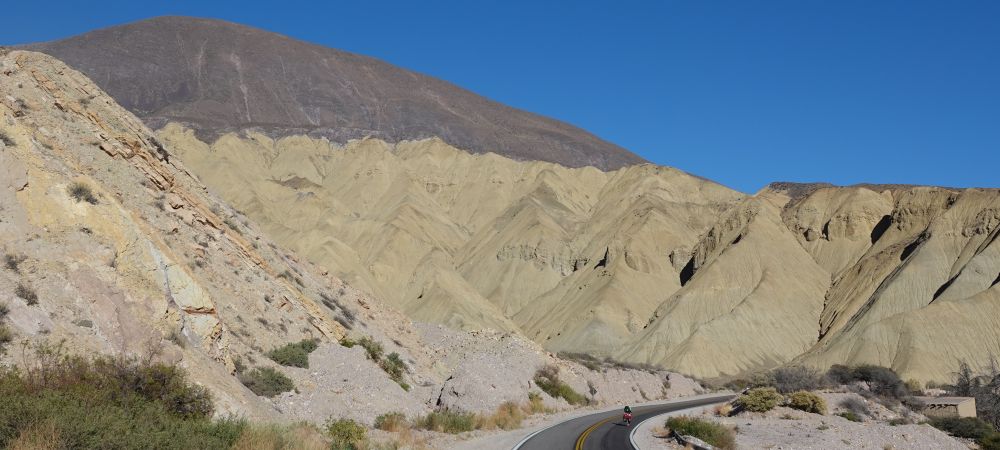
(218,76)
(110,245)
(645,263)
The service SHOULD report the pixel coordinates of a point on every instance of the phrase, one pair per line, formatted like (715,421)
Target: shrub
(7,140)
(4,310)
(712,433)
(27,293)
(760,399)
(392,422)
(881,381)
(347,342)
(266,382)
(547,379)
(72,402)
(346,434)
(447,421)
(82,193)
(898,421)
(808,402)
(5,337)
(850,416)
(795,378)
(965,427)
(508,416)
(856,406)
(298,436)
(989,442)
(372,348)
(294,354)
(394,366)
(914,387)
(535,404)
(12,262)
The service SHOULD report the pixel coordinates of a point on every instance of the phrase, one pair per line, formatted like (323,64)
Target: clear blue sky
(741,92)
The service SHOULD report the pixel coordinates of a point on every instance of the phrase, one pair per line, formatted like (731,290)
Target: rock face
(645,264)
(574,258)
(111,245)
(218,76)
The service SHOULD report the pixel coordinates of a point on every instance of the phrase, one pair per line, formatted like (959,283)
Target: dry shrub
(535,404)
(508,416)
(43,436)
(808,402)
(301,436)
(724,410)
(392,422)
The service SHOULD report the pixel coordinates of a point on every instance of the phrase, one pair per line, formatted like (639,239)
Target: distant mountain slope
(218,76)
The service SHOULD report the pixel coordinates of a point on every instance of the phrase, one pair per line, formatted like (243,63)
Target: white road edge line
(692,397)
(631,435)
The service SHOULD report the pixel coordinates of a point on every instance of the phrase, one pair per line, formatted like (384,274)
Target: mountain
(217,77)
(111,245)
(645,264)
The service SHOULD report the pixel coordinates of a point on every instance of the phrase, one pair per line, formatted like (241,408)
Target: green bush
(965,427)
(6,336)
(295,354)
(808,402)
(760,399)
(82,193)
(372,348)
(712,433)
(346,434)
(394,366)
(266,382)
(850,415)
(447,421)
(547,379)
(989,442)
(391,422)
(110,403)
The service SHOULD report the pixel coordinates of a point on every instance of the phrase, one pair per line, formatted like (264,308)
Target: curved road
(605,430)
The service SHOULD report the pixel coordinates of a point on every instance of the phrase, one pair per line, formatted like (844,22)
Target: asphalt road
(605,430)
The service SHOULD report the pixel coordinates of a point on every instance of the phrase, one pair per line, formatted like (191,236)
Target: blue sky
(741,92)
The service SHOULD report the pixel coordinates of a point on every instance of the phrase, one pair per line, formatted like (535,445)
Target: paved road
(605,430)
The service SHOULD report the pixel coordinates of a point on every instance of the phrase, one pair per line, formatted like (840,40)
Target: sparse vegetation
(856,406)
(27,293)
(7,140)
(372,348)
(13,262)
(850,416)
(266,381)
(535,404)
(547,379)
(808,402)
(881,381)
(795,378)
(596,364)
(4,310)
(394,366)
(392,422)
(346,434)
(82,193)
(760,399)
(447,421)
(712,433)
(6,336)
(294,354)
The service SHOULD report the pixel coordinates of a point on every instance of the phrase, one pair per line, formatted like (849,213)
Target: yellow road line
(583,437)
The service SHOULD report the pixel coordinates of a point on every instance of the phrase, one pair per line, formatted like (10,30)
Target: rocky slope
(218,76)
(645,264)
(111,245)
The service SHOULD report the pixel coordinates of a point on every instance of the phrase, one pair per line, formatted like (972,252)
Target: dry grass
(535,404)
(301,436)
(723,410)
(44,436)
